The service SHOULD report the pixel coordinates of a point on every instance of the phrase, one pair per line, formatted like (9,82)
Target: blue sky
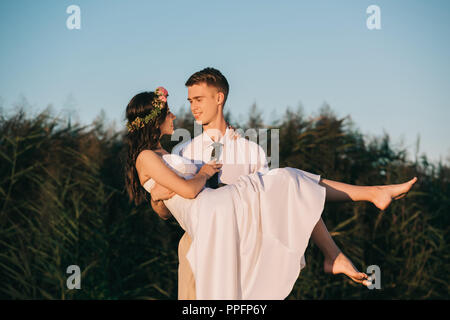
(275,54)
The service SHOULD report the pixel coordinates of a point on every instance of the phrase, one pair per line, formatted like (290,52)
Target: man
(207,94)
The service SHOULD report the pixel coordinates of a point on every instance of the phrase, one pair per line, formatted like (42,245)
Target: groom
(207,94)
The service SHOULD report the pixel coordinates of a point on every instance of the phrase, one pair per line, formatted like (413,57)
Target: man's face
(205,102)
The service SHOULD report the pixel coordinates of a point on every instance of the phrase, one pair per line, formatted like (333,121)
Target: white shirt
(239,156)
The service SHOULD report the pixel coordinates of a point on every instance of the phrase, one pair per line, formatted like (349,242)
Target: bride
(248,238)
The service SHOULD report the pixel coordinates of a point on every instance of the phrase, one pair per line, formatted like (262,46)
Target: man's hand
(159,192)
(160,208)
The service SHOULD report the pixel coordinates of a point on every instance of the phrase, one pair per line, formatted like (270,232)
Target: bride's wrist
(203,175)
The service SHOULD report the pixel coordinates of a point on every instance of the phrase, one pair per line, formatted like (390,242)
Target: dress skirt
(249,238)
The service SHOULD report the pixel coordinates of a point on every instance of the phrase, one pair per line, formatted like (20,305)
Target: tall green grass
(62,202)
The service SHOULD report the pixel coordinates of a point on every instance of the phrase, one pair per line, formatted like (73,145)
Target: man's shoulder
(251,153)
(248,144)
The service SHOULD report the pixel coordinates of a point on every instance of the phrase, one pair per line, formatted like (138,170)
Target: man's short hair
(212,77)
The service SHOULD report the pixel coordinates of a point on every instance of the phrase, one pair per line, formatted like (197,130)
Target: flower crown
(159,103)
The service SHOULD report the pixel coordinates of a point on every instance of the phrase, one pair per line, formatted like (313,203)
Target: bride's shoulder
(147,155)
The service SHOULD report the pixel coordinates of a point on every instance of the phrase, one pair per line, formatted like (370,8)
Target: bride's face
(167,126)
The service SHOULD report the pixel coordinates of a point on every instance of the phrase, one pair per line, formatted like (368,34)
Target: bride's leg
(380,196)
(335,261)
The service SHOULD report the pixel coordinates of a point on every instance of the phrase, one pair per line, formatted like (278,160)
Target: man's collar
(207,138)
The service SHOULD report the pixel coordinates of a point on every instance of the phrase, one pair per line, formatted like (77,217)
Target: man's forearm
(160,208)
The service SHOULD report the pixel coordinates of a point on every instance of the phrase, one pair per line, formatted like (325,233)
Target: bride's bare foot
(341,264)
(383,195)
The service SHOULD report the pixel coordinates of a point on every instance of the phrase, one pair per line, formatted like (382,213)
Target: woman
(248,238)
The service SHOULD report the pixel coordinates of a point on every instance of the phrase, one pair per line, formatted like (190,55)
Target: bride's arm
(150,165)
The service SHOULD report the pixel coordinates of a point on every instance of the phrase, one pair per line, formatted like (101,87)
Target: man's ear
(220,98)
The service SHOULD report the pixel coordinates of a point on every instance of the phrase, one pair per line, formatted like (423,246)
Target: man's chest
(237,159)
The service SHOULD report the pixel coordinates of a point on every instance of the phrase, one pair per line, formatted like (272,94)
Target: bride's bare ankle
(332,255)
(329,262)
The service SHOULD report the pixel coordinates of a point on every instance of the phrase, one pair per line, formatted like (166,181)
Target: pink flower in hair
(163,98)
(161,91)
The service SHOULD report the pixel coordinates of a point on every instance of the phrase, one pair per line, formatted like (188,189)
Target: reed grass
(62,202)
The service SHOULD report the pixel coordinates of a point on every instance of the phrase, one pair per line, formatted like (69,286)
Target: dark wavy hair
(141,139)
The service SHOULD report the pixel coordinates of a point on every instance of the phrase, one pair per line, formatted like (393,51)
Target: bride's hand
(210,168)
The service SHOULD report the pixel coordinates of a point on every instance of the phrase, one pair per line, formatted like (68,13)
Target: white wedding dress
(248,238)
